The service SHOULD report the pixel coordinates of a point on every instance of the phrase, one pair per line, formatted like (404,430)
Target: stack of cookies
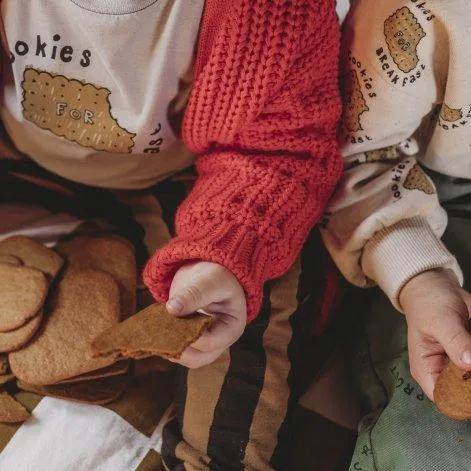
(27,271)
(67,323)
(47,325)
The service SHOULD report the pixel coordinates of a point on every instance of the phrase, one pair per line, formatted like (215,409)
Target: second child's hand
(437,310)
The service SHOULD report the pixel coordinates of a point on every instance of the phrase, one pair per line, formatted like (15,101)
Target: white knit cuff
(396,254)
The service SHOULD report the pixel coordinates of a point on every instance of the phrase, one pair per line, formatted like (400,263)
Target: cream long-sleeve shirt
(93,90)
(407,82)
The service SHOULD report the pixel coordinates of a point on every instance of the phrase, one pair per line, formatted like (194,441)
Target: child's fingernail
(466,357)
(174,306)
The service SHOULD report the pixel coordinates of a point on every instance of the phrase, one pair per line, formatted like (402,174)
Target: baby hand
(437,310)
(209,286)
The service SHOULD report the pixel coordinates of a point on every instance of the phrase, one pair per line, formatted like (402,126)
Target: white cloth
(64,436)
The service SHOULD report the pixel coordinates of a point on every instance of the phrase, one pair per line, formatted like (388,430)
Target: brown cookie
(118,369)
(33,254)
(452,394)
(100,391)
(110,254)
(6,259)
(85,303)
(151,332)
(23,291)
(11,411)
(11,341)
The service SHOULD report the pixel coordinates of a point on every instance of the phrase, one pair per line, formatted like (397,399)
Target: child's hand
(215,289)
(437,311)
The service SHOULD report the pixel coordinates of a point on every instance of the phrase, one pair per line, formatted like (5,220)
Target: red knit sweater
(262,116)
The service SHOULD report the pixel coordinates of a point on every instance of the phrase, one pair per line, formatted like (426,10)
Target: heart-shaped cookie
(11,341)
(23,291)
(110,254)
(85,303)
(32,254)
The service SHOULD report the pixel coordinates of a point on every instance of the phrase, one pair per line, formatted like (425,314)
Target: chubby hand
(437,310)
(213,288)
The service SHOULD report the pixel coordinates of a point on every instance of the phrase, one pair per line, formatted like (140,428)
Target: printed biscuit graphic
(450,114)
(386,154)
(417,180)
(355,104)
(403,33)
(79,112)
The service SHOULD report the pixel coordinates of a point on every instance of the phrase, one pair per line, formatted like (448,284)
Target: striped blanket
(122,436)
(126,435)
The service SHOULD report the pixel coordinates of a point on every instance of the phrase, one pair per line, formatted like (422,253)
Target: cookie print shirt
(406,74)
(94,89)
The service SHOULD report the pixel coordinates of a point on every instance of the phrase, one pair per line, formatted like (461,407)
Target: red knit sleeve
(263,114)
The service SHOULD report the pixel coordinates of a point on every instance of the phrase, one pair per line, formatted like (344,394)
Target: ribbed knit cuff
(243,255)
(396,254)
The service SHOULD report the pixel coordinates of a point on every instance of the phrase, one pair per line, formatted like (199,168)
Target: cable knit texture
(263,116)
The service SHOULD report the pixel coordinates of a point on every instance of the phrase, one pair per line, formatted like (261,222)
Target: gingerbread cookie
(32,254)
(23,291)
(110,254)
(6,259)
(11,341)
(85,303)
(151,332)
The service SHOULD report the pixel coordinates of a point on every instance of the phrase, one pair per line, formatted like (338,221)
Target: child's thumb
(456,340)
(186,301)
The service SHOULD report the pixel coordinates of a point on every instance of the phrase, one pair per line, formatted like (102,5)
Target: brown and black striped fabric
(237,413)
